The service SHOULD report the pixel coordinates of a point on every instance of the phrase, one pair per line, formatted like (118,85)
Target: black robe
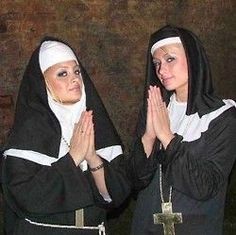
(198,172)
(41,196)
(197,167)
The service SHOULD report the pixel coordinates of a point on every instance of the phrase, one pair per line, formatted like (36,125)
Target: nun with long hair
(63,161)
(184,148)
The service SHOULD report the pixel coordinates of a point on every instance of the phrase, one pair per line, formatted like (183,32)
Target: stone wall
(111,39)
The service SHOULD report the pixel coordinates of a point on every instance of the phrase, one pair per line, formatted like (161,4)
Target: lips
(166,81)
(75,88)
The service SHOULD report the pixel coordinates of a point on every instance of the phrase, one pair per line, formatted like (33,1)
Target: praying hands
(158,124)
(82,141)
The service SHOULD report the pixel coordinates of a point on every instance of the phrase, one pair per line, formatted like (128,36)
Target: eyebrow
(155,58)
(65,67)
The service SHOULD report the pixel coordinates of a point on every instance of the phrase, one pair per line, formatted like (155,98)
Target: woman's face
(64,82)
(171,68)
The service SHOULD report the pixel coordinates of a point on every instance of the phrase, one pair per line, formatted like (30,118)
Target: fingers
(149,108)
(91,147)
(82,138)
(160,116)
(83,127)
(155,97)
(86,123)
(158,108)
(91,153)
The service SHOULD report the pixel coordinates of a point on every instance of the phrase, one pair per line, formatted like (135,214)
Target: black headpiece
(36,127)
(201,98)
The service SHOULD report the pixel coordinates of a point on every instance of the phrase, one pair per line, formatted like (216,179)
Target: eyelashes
(78,71)
(65,73)
(170,59)
(62,74)
(158,63)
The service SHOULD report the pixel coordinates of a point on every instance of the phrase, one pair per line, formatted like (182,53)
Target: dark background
(111,39)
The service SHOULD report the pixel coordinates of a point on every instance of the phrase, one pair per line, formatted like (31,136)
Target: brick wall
(111,38)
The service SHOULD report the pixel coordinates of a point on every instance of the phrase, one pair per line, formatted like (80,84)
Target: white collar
(67,116)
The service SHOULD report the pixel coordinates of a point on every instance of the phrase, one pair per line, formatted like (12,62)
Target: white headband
(163,42)
(53,52)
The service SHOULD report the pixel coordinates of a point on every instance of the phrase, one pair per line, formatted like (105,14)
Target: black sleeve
(38,189)
(61,187)
(200,168)
(116,180)
(140,168)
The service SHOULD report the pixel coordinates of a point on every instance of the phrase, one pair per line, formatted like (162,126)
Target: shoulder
(231,107)
(219,121)
(224,118)
(226,112)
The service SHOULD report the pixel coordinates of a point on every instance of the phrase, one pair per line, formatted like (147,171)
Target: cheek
(58,86)
(183,69)
(80,81)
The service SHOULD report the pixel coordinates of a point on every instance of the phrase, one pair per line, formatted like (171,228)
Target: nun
(63,165)
(184,148)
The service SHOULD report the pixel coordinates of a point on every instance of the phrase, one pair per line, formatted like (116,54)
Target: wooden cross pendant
(79,218)
(167,218)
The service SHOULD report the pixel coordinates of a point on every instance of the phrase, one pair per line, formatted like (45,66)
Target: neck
(181,96)
(181,99)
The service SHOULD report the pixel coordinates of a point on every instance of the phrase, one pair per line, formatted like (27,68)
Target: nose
(162,69)
(75,78)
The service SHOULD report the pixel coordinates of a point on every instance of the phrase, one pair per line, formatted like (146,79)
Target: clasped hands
(157,123)
(82,145)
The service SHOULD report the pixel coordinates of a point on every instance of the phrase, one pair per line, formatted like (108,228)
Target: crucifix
(167,218)
(79,218)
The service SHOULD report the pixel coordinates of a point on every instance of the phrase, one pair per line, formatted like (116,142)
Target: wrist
(77,160)
(98,167)
(148,139)
(148,143)
(94,161)
(165,140)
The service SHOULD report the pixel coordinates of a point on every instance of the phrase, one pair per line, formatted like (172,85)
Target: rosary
(65,141)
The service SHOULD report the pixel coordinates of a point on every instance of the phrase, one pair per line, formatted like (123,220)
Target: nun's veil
(201,98)
(36,127)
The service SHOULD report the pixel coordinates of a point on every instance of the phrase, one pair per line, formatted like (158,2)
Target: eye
(170,59)
(77,72)
(156,63)
(62,74)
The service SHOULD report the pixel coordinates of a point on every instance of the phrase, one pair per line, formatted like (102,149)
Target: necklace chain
(160,166)
(161,187)
(68,145)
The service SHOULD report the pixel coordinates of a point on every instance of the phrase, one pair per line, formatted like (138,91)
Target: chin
(71,101)
(169,88)
(75,100)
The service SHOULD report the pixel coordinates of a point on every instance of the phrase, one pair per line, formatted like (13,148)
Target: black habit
(38,193)
(198,160)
